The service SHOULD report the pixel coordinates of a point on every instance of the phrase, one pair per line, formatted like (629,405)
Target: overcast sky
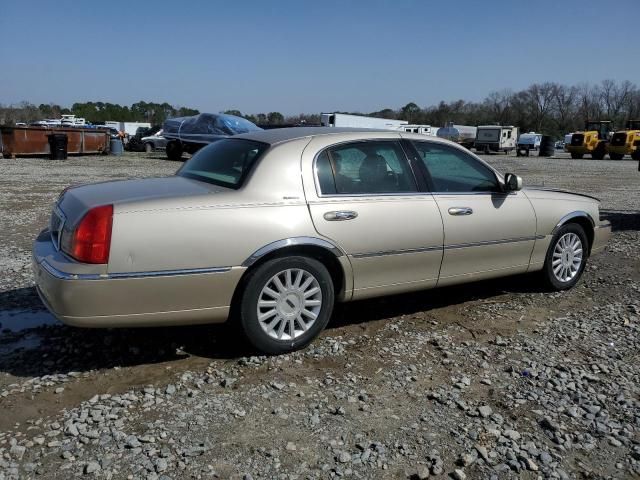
(307,56)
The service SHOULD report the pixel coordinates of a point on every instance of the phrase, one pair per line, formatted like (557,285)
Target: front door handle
(460,211)
(340,215)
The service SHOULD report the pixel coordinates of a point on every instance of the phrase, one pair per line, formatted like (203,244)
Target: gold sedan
(271,228)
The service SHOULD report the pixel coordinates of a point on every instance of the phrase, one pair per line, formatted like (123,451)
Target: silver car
(271,228)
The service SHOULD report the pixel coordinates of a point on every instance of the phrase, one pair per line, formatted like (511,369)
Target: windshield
(224,162)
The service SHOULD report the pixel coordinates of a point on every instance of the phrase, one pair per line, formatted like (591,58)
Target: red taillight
(91,239)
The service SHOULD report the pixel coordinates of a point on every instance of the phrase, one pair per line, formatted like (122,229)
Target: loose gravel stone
(491,380)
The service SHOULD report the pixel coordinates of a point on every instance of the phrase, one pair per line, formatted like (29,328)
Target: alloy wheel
(289,304)
(567,257)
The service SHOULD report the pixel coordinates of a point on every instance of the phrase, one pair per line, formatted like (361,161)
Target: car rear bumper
(92,298)
(601,235)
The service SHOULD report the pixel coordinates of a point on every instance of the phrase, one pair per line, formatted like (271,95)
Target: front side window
(364,168)
(453,170)
(224,162)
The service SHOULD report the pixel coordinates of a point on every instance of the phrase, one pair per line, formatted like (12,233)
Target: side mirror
(512,182)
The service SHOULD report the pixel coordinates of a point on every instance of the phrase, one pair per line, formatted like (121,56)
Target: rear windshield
(224,162)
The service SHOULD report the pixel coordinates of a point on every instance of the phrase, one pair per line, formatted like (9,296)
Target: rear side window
(224,162)
(453,170)
(364,168)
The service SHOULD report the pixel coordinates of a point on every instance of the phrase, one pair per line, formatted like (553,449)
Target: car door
(487,232)
(364,196)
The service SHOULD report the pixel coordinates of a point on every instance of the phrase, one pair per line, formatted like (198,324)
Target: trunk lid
(77,201)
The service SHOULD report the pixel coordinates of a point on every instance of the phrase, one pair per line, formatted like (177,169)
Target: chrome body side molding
(494,242)
(446,247)
(290,242)
(396,252)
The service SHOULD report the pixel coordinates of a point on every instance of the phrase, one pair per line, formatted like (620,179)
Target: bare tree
(541,97)
(498,104)
(589,106)
(614,97)
(565,106)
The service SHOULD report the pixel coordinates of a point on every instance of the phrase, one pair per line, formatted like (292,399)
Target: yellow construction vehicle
(626,142)
(593,140)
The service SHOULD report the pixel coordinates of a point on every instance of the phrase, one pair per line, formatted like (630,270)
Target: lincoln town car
(271,228)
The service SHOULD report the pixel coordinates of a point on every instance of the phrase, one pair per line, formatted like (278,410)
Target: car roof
(280,135)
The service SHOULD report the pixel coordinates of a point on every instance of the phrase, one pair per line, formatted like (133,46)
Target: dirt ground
(496,379)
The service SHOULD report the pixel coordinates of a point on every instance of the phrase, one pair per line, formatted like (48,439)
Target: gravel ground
(490,380)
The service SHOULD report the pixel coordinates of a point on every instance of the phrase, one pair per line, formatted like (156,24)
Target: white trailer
(359,121)
(496,138)
(465,135)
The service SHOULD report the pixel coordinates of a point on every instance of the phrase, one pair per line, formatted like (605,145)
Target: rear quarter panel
(218,230)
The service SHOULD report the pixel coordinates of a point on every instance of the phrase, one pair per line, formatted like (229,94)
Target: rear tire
(566,257)
(174,151)
(616,156)
(576,156)
(286,303)
(636,155)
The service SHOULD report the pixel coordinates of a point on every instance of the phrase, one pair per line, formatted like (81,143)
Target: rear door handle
(460,211)
(340,215)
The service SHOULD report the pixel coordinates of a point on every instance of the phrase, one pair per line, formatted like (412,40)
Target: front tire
(148,148)
(286,303)
(566,257)
(576,156)
(616,156)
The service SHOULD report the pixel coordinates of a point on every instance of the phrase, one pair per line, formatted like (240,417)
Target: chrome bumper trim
(160,273)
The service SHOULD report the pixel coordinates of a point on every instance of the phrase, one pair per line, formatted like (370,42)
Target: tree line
(549,108)
(94,112)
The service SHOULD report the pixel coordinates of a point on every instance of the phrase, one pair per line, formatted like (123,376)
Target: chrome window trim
(398,140)
(503,194)
(59,274)
(290,242)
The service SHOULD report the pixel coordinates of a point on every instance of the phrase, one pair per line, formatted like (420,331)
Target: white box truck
(359,121)
(496,138)
(129,128)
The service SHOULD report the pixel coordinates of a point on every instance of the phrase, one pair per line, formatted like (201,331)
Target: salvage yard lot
(495,378)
